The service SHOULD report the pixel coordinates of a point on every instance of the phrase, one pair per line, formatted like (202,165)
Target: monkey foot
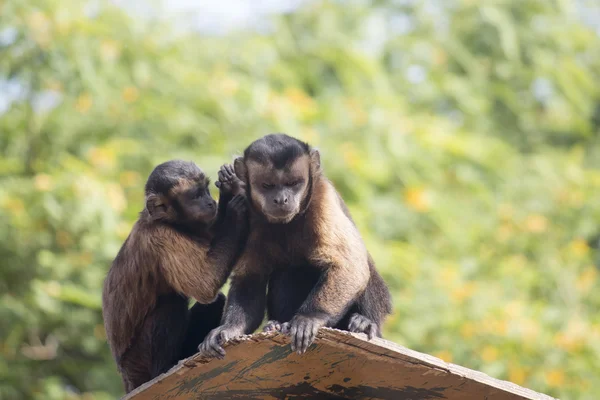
(276,326)
(361,324)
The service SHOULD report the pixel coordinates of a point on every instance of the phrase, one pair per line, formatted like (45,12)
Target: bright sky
(218,15)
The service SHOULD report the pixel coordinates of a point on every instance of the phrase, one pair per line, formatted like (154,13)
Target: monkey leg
(168,329)
(368,313)
(134,366)
(288,288)
(202,318)
(156,347)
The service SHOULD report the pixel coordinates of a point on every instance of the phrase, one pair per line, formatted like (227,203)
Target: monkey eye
(268,185)
(292,183)
(200,192)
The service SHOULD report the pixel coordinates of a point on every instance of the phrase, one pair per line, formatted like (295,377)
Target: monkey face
(278,192)
(178,192)
(198,205)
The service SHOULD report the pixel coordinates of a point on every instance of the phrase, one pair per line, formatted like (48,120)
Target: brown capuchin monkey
(303,249)
(181,247)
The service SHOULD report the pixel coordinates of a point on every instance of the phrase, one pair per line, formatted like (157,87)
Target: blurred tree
(463,134)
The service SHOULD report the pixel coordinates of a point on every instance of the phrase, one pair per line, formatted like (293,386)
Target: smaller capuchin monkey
(303,249)
(181,247)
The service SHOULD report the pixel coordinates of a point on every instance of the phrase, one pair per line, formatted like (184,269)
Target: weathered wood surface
(339,365)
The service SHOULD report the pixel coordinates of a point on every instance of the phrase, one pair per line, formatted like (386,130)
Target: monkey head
(177,192)
(279,172)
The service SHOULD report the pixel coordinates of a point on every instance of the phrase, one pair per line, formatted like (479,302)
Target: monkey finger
(272,326)
(217,351)
(371,331)
(308,337)
(229,170)
(293,331)
(218,184)
(299,338)
(285,328)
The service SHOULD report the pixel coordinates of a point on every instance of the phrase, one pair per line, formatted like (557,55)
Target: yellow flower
(536,223)
(310,135)
(130,178)
(356,112)
(43,182)
(505,211)
(123,230)
(350,154)
(467,330)
(517,374)
(505,232)
(228,86)
(15,206)
(463,292)
(489,354)
(83,103)
(109,50)
(418,199)
(580,247)
(275,106)
(130,94)
(302,103)
(116,198)
(586,280)
(101,157)
(444,355)
(555,378)
(39,24)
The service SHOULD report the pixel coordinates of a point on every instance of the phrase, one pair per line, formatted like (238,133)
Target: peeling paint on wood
(339,365)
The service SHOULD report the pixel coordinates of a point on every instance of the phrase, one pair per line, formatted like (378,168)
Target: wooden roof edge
(375,346)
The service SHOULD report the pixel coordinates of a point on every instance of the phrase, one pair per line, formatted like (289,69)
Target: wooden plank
(339,365)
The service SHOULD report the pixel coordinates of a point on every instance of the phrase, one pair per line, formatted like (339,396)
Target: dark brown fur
(303,246)
(174,252)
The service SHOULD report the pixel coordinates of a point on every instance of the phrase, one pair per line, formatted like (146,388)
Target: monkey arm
(183,262)
(229,240)
(224,199)
(340,252)
(341,282)
(229,186)
(188,274)
(244,310)
(246,302)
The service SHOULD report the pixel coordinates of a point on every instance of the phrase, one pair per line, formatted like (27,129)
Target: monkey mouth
(280,218)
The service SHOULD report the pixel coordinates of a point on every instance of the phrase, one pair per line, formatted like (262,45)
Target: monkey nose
(281,200)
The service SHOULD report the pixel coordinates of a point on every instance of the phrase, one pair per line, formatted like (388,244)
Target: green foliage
(464,137)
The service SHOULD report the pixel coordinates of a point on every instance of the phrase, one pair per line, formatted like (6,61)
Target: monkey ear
(156,206)
(315,159)
(240,168)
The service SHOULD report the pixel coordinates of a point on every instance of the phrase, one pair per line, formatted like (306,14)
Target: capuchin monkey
(181,247)
(304,248)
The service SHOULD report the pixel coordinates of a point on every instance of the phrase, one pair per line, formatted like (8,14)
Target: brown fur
(167,259)
(302,230)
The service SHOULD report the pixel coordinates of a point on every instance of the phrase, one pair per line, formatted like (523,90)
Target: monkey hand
(303,331)
(237,208)
(212,346)
(361,324)
(228,182)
